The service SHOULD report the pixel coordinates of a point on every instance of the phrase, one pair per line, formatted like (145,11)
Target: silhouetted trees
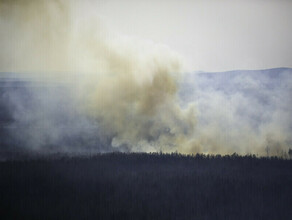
(146,186)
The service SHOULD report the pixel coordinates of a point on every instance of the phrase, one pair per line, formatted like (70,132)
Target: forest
(145,186)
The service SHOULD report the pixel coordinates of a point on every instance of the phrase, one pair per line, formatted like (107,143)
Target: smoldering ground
(85,88)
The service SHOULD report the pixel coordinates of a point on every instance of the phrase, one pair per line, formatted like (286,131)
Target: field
(145,186)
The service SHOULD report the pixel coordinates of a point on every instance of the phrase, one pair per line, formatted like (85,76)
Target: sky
(209,35)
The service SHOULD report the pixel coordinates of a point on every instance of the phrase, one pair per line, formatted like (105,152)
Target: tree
(290,153)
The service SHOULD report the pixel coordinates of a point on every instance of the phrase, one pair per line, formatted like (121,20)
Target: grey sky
(210,35)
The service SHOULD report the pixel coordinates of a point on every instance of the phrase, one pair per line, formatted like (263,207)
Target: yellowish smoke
(128,86)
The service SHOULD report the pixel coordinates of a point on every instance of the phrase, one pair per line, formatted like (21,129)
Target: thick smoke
(127,86)
(72,85)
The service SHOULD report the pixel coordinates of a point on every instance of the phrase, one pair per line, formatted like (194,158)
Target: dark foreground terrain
(146,186)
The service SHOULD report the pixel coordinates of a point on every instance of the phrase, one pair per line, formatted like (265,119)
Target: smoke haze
(242,111)
(85,88)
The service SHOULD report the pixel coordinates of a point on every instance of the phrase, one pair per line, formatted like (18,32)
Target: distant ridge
(44,75)
(276,69)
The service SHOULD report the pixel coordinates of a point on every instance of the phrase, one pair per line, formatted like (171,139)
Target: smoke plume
(78,86)
(127,86)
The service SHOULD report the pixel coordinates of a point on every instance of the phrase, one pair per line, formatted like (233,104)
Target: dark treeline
(146,186)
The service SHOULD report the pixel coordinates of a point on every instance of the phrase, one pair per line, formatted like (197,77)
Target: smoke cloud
(127,86)
(80,87)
